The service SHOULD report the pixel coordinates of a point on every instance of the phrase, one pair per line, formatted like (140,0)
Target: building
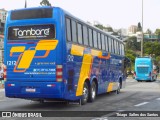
(132,30)
(3,14)
(151,37)
(1,48)
(1,41)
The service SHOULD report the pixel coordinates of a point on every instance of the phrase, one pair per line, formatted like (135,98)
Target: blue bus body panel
(39,79)
(34,90)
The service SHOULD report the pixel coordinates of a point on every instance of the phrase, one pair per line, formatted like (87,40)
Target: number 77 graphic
(26,56)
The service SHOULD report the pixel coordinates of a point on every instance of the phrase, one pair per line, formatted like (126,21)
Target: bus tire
(92,92)
(85,94)
(119,88)
(41,101)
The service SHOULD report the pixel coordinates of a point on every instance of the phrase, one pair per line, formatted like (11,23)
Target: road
(136,96)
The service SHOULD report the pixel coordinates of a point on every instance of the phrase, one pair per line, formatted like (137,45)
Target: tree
(157,32)
(148,31)
(109,29)
(139,27)
(99,26)
(131,55)
(45,3)
(152,48)
(132,44)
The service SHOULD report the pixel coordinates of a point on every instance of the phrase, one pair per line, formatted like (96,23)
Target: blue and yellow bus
(144,69)
(50,54)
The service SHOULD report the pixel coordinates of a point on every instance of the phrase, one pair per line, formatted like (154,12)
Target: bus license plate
(30,90)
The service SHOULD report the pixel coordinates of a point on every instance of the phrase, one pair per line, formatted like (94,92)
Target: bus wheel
(41,101)
(92,92)
(85,95)
(119,88)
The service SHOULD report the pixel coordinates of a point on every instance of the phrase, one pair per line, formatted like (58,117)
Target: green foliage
(148,31)
(157,32)
(115,33)
(99,26)
(131,55)
(132,44)
(109,29)
(45,3)
(152,48)
(132,49)
(158,60)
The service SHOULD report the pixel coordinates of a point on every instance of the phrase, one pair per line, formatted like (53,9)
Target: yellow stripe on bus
(17,49)
(46,45)
(77,50)
(84,73)
(110,87)
(96,53)
(26,59)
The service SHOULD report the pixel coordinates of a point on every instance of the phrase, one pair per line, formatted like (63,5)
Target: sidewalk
(2,90)
(1,86)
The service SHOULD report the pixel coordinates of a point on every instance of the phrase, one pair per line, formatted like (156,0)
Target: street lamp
(142,33)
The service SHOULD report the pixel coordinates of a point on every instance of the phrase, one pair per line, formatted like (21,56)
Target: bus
(144,69)
(53,55)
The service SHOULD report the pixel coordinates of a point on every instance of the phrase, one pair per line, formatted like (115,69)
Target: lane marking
(158,99)
(143,103)
(100,118)
(120,110)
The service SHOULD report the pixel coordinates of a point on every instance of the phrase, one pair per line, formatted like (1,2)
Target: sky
(116,13)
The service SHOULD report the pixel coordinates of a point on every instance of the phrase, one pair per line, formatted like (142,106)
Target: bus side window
(99,40)
(115,46)
(113,49)
(74,32)
(122,49)
(118,51)
(90,38)
(85,35)
(68,29)
(103,42)
(79,26)
(107,46)
(95,39)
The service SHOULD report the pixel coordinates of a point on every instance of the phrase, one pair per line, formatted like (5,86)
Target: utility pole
(142,33)
(25,6)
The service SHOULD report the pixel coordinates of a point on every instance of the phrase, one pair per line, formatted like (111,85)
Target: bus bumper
(143,79)
(31,90)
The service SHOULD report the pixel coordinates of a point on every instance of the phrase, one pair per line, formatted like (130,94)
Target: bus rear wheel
(118,88)
(85,95)
(92,92)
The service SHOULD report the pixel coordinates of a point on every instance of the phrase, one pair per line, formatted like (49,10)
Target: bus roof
(71,15)
(143,59)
